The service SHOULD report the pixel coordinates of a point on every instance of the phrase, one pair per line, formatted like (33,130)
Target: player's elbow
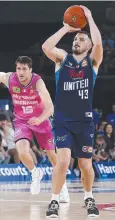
(45,47)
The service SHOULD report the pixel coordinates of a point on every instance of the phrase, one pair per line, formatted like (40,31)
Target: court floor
(16,202)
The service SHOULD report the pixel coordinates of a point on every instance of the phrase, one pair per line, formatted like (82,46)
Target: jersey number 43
(83,93)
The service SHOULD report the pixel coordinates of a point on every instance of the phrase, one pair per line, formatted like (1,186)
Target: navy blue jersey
(74,90)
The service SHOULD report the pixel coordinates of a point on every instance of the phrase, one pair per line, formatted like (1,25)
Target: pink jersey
(26,100)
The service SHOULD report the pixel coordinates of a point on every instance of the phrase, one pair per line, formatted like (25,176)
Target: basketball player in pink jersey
(32,108)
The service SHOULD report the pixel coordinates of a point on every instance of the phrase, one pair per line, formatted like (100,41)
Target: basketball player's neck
(80,57)
(27,81)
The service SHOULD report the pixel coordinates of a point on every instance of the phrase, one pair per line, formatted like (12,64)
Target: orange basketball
(75,17)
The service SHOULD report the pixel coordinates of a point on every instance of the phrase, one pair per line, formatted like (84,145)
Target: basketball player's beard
(77,52)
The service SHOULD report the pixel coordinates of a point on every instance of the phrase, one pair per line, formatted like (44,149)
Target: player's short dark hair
(85,32)
(24,60)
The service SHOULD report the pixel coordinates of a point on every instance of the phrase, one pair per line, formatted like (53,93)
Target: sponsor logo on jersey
(74,74)
(61,138)
(90,149)
(84,63)
(16,89)
(25,97)
(70,64)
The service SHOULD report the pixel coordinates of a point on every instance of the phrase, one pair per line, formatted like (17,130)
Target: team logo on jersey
(16,89)
(31,90)
(84,63)
(84,148)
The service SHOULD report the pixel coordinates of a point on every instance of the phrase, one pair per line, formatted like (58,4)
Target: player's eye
(24,69)
(81,39)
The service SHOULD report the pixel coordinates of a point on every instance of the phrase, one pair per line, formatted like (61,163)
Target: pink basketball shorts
(43,133)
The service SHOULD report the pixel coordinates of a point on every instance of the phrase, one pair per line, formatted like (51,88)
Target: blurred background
(24,26)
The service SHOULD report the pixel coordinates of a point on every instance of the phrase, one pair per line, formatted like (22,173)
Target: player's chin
(22,79)
(76,52)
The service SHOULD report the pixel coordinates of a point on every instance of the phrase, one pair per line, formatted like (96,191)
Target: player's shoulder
(92,64)
(60,63)
(63,53)
(36,76)
(37,79)
(67,55)
(12,75)
(60,50)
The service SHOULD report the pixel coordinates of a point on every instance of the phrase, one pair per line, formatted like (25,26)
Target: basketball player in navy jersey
(74,129)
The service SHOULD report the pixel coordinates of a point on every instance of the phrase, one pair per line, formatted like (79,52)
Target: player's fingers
(83,7)
(65,23)
(31,121)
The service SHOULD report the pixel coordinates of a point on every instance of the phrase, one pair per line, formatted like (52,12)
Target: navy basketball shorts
(78,137)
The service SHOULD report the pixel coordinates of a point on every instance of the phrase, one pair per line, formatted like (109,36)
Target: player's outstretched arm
(46,99)
(49,46)
(97,50)
(4,78)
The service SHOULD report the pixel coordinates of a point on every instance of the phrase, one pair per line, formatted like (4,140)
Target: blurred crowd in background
(108,64)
